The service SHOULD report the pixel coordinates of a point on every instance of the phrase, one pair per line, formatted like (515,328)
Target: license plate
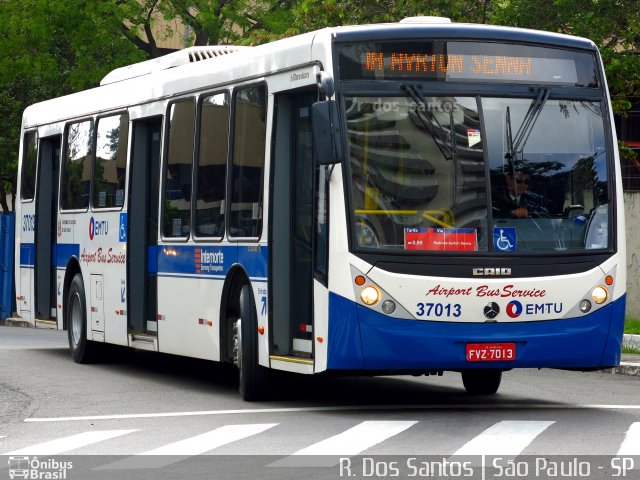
(491,352)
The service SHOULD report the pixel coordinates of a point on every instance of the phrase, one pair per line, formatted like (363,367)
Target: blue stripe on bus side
(364,339)
(27,255)
(61,253)
(152,259)
(207,261)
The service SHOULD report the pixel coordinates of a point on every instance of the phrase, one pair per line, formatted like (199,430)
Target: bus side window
(111,161)
(322,224)
(248,162)
(76,169)
(177,175)
(29,162)
(212,166)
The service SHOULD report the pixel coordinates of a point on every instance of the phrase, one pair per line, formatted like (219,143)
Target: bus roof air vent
(175,59)
(426,19)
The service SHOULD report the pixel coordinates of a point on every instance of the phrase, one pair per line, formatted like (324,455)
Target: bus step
(299,354)
(292,359)
(291,364)
(52,324)
(143,341)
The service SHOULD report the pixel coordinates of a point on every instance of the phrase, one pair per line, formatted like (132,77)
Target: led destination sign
(443,61)
(470,67)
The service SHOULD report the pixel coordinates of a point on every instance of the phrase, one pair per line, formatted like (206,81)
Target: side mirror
(326,132)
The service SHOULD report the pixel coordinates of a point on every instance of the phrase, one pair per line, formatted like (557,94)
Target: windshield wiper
(516,144)
(428,119)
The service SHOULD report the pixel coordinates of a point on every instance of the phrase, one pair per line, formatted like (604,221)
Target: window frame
(231,156)
(95,160)
(165,165)
(63,169)
(23,165)
(196,164)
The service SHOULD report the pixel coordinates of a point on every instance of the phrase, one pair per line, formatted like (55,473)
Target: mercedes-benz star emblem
(491,310)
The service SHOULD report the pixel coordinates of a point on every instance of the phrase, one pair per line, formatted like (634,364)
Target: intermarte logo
(491,272)
(491,310)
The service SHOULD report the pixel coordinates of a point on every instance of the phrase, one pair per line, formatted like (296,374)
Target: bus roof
(255,62)
(462,31)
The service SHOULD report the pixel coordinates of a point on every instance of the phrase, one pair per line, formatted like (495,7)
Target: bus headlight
(585,306)
(370,295)
(599,295)
(388,307)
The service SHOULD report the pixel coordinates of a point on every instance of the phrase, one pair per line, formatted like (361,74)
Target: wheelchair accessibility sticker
(504,239)
(123,228)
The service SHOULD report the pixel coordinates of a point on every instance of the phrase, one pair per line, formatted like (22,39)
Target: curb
(632,341)
(626,368)
(16,322)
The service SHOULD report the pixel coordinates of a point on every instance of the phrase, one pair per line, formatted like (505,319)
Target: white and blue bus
(405,198)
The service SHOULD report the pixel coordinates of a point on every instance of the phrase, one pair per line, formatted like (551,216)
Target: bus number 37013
(439,309)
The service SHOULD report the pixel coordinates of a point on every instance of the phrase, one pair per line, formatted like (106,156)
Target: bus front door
(292,228)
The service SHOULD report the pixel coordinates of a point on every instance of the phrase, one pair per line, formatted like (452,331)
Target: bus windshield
(483,174)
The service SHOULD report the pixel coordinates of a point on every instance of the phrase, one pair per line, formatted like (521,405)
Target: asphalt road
(144,403)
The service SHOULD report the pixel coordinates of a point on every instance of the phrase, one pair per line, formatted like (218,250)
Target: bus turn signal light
(360,280)
(608,280)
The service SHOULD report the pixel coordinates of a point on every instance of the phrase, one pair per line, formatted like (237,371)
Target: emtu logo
(100,227)
(514,309)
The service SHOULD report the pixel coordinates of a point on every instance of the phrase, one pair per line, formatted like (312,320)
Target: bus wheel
(481,382)
(254,378)
(82,350)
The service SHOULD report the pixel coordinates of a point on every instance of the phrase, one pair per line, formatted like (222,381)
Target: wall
(632,214)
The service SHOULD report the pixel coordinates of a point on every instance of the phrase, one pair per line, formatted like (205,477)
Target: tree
(47,49)
(50,48)
(313,14)
(614,25)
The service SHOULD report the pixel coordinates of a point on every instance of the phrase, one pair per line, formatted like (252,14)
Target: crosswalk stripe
(174,452)
(504,438)
(631,442)
(357,439)
(210,440)
(72,442)
(350,442)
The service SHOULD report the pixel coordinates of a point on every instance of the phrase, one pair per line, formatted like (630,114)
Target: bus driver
(513,200)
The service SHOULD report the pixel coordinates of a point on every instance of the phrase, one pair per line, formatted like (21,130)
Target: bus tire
(481,382)
(254,378)
(81,349)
